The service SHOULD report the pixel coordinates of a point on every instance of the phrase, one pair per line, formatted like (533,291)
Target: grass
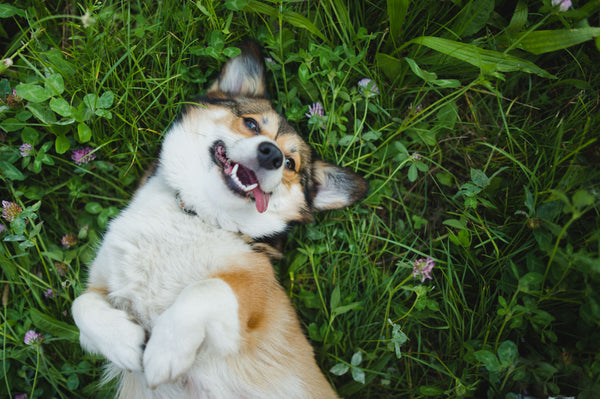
(481,149)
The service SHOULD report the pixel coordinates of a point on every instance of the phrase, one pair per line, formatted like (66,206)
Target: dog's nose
(269,156)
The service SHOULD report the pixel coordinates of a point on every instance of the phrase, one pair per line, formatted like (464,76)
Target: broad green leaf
(458,224)
(32,92)
(10,171)
(60,106)
(531,282)
(339,369)
(391,67)
(84,133)
(56,328)
(519,18)
(93,207)
(338,310)
(72,382)
(507,352)
(397,14)
(489,360)
(290,17)
(447,179)
(545,41)
(62,144)
(487,60)
(356,358)
(479,178)
(42,112)
(398,339)
(236,5)
(448,115)
(12,125)
(7,11)
(23,115)
(106,99)
(582,198)
(473,17)
(103,113)
(55,84)
(216,39)
(413,173)
(231,52)
(30,135)
(90,100)
(358,375)
(426,76)
(335,300)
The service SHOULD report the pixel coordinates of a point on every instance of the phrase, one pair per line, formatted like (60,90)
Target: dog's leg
(205,313)
(108,331)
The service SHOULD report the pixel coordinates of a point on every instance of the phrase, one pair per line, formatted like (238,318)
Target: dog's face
(236,162)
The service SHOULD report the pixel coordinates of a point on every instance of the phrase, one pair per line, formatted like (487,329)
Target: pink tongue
(261,199)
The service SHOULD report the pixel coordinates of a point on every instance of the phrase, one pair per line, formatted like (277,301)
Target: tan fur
(265,314)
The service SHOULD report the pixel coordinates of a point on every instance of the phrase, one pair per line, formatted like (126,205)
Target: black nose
(269,156)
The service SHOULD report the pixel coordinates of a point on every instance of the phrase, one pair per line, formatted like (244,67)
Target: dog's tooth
(234,171)
(250,187)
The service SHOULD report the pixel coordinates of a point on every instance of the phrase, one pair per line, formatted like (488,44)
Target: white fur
(109,331)
(205,311)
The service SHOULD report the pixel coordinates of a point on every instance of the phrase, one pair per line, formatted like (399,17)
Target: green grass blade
(546,41)
(293,18)
(487,60)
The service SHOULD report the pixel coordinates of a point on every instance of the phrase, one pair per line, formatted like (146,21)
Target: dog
(182,298)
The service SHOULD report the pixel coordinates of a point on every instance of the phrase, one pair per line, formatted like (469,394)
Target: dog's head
(236,162)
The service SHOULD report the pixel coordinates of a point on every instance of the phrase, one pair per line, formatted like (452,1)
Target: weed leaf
(397,14)
(56,328)
(545,41)
(60,106)
(507,353)
(7,11)
(487,60)
(32,92)
(84,133)
(489,360)
(62,144)
(339,369)
(479,178)
(11,172)
(55,84)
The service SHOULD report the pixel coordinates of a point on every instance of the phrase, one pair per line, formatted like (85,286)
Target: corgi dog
(182,298)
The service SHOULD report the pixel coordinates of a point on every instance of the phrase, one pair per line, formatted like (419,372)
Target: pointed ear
(336,187)
(243,75)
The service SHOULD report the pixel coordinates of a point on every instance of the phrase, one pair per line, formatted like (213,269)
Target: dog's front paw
(109,331)
(170,352)
(127,349)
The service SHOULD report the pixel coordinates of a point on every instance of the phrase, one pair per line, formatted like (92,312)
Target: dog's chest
(152,260)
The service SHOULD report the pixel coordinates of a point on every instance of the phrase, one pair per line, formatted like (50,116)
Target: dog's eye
(252,125)
(290,163)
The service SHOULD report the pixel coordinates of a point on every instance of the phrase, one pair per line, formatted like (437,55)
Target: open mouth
(240,179)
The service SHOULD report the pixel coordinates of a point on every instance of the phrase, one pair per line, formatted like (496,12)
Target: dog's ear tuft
(243,75)
(336,187)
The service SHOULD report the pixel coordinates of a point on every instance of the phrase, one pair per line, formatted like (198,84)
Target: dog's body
(181,299)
